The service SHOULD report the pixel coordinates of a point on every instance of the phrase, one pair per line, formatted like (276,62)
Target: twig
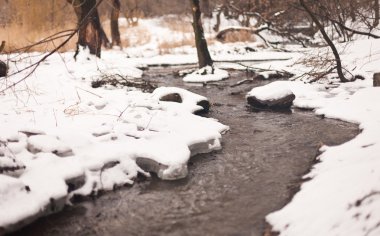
(89,92)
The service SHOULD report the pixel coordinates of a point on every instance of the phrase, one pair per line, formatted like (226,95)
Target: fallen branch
(244,81)
(257,69)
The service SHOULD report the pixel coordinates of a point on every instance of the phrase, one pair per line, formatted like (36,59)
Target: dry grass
(239,36)
(166,47)
(177,24)
(17,37)
(135,36)
(27,22)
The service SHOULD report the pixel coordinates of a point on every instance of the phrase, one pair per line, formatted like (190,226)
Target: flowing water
(228,192)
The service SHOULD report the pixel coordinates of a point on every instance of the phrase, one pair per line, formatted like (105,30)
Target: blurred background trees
(26,21)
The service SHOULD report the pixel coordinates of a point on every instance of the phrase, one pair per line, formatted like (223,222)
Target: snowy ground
(342,196)
(60,137)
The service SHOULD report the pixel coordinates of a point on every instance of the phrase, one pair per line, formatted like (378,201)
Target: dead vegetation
(167,46)
(238,36)
(177,23)
(118,80)
(24,23)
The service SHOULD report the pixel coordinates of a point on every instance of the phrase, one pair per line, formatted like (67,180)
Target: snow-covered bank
(342,196)
(60,137)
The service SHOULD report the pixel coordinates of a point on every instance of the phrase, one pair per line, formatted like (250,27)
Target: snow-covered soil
(60,137)
(342,196)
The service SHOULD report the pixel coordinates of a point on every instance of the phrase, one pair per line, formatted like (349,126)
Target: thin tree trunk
(115,33)
(377,14)
(204,58)
(90,31)
(328,40)
(206,9)
(105,41)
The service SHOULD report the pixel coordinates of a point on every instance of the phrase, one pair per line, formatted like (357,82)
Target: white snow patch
(343,195)
(66,133)
(206,74)
(272,91)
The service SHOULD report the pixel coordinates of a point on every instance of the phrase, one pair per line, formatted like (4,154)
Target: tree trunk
(204,58)
(115,33)
(90,31)
(3,65)
(328,40)
(206,9)
(377,14)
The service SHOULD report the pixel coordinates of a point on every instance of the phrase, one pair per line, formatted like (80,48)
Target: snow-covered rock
(206,74)
(178,97)
(276,95)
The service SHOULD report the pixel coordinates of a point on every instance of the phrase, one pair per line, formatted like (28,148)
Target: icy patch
(206,74)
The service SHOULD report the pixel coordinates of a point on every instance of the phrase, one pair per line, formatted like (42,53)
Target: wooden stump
(376,80)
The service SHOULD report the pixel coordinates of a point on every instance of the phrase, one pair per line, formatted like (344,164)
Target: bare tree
(328,41)
(204,58)
(90,32)
(115,33)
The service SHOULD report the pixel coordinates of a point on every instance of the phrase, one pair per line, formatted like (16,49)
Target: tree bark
(328,41)
(115,33)
(204,58)
(206,8)
(3,65)
(90,30)
(377,13)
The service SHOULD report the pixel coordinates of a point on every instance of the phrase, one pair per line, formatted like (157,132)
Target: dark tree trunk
(328,41)
(3,65)
(105,41)
(90,30)
(377,14)
(204,58)
(115,33)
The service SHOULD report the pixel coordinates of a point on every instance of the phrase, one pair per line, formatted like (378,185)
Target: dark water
(228,192)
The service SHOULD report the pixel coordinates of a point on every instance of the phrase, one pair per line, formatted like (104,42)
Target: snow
(206,74)
(67,138)
(272,91)
(189,99)
(58,131)
(342,196)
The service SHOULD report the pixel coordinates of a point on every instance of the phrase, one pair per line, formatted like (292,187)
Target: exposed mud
(228,192)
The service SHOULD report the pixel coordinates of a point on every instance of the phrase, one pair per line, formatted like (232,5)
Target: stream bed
(227,192)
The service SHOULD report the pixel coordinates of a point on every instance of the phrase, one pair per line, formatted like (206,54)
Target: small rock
(3,69)
(205,105)
(376,80)
(275,95)
(172,97)
(281,103)
(47,143)
(163,171)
